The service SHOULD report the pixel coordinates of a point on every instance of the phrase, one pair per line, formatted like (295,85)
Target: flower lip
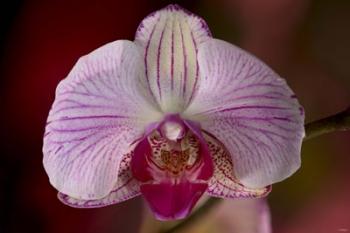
(173,201)
(173,166)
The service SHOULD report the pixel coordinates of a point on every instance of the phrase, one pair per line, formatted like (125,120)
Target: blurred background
(305,41)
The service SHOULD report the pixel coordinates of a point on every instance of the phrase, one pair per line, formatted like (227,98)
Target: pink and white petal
(126,188)
(223,184)
(99,110)
(169,39)
(251,110)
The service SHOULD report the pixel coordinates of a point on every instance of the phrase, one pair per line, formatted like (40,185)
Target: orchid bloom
(171,115)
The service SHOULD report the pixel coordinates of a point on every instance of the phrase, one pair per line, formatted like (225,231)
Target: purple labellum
(172,201)
(173,167)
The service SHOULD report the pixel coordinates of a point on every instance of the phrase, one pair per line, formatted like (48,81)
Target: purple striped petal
(223,183)
(100,109)
(251,110)
(169,39)
(126,187)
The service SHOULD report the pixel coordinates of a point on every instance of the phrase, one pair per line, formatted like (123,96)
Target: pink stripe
(158,60)
(264,118)
(241,107)
(229,99)
(253,107)
(257,85)
(254,73)
(85,94)
(172,58)
(99,152)
(103,81)
(185,62)
(84,107)
(257,96)
(82,129)
(262,131)
(86,117)
(255,141)
(245,62)
(73,139)
(146,54)
(197,69)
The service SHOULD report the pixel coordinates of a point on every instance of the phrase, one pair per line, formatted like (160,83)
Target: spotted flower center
(173,158)
(175,161)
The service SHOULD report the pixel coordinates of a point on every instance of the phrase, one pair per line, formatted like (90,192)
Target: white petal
(251,110)
(99,110)
(169,39)
(223,184)
(126,188)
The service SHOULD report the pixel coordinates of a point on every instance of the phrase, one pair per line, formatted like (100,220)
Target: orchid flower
(172,115)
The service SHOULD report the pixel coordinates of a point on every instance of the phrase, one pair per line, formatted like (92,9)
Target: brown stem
(337,122)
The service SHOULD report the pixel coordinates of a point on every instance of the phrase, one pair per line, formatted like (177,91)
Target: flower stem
(337,122)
